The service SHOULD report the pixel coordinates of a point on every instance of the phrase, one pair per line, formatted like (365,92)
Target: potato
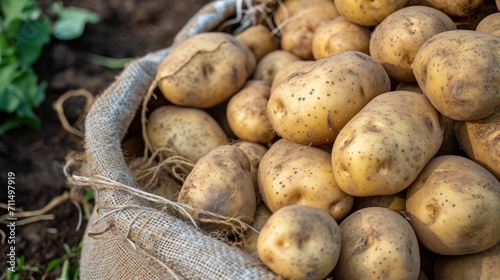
(368,12)
(481,141)
(313,104)
(300,242)
(205,70)
(395,202)
(287,70)
(377,243)
(221,183)
(291,173)
(386,145)
(300,19)
(247,113)
(460,8)
(250,240)
(254,152)
(397,39)
(454,206)
(271,63)
(259,40)
(191,132)
(462,89)
(490,25)
(481,266)
(339,35)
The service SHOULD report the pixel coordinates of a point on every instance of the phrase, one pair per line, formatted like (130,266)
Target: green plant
(21,271)
(24,31)
(68,271)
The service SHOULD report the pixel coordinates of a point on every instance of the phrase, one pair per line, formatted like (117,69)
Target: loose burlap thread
(128,238)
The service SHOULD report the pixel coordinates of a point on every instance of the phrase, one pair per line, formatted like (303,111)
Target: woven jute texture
(127,237)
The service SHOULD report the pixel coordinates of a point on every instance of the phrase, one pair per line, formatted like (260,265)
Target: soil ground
(128,29)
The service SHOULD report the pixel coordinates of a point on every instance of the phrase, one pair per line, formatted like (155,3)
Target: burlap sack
(127,237)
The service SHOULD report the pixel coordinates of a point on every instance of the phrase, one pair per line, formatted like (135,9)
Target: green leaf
(19,9)
(9,100)
(31,31)
(64,273)
(6,48)
(53,264)
(8,70)
(71,23)
(67,248)
(25,111)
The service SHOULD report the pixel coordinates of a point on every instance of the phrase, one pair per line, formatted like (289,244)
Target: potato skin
(254,152)
(287,70)
(271,63)
(368,12)
(377,243)
(339,35)
(312,105)
(481,142)
(460,8)
(304,15)
(481,266)
(291,173)
(469,94)
(247,113)
(386,145)
(300,242)
(191,132)
(259,40)
(397,39)
(490,25)
(220,182)
(454,206)
(205,70)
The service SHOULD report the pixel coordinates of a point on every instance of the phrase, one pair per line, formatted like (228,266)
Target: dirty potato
(221,183)
(386,145)
(247,113)
(313,104)
(191,132)
(397,39)
(291,173)
(377,243)
(205,70)
(300,242)
(480,140)
(463,89)
(339,35)
(454,206)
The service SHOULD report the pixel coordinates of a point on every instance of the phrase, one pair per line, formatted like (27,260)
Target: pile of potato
(363,143)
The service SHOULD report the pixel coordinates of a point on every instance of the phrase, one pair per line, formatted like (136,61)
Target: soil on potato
(128,29)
